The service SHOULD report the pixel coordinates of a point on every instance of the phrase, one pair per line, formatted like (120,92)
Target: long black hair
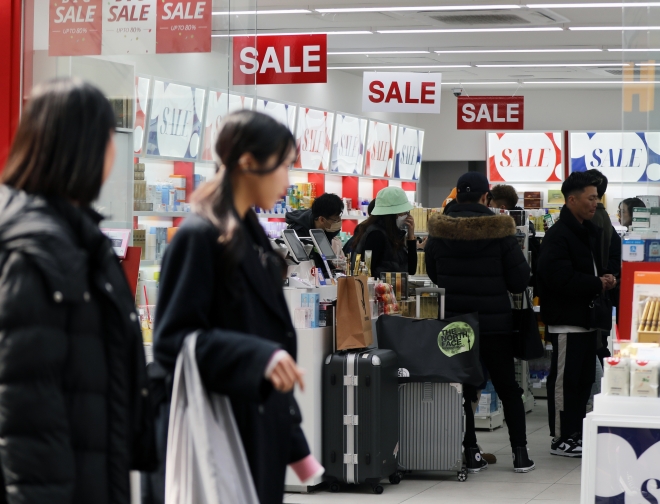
(60,145)
(240,133)
(388,223)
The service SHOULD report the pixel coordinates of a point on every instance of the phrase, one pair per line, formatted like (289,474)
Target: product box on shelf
(644,378)
(616,376)
(645,326)
(652,250)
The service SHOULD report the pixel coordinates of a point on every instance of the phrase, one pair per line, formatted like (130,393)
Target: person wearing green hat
(390,234)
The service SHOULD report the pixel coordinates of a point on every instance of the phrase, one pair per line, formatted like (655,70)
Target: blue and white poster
(348,146)
(175,121)
(408,162)
(621,156)
(627,466)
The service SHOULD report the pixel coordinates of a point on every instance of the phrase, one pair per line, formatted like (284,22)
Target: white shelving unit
(491,421)
(165,215)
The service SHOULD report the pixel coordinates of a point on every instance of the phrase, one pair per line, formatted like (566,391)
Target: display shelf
(162,214)
(283,216)
(490,422)
(540,390)
(337,174)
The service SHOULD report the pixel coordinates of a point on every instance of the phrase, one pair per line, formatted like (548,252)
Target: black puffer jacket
(475,256)
(74,412)
(567,280)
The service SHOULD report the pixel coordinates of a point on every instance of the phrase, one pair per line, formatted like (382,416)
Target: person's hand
(545,225)
(410,222)
(286,374)
(611,280)
(421,246)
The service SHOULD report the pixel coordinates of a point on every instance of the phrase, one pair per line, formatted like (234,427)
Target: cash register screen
(295,246)
(322,243)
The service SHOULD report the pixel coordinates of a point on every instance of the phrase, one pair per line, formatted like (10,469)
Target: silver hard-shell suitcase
(431,419)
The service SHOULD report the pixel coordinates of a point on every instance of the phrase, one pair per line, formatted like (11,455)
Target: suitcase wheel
(462,475)
(378,489)
(335,487)
(395,479)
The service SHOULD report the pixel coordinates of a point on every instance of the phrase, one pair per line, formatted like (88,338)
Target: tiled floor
(555,479)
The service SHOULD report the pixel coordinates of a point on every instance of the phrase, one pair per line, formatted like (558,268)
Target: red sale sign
(286,59)
(184,26)
(490,112)
(75,27)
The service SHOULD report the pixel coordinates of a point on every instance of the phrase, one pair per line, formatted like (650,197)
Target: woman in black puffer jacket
(74,405)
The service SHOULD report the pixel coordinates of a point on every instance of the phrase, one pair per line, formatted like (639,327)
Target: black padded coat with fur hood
(474,255)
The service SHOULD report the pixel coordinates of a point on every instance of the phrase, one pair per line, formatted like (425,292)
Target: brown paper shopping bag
(353,313)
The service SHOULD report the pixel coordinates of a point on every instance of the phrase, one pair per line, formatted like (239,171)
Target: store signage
(349,144)
(381,140)
(117,27)
(488,112)
(409,153)
(525,157)
(416,93)
(313,137)
(140,111)
(627,465)
(282,112)
(621,156)
(280,59)
(219,105)
(175,120)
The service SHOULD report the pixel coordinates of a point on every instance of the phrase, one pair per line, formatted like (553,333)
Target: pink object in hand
(307,468)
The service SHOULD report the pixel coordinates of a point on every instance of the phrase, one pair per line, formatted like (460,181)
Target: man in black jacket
(571,278)
(475,256)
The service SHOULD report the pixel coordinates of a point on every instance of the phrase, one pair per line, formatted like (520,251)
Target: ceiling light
(551,65)
(633,50)
(259,12)
(503,51)
(476,30)
(647,64)
(614,28)
(426,8)
(225,35)
(593,5)
(348,53)
(393,67)
(593,82)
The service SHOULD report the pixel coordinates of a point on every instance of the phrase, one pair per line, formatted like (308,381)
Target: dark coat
(385,258)
(74,411)
(567,283)
(243,318)
(602,219)
(475,256)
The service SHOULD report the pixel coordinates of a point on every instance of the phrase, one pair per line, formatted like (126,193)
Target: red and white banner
(528,156)
(115,27)
(379,161)
(280,59)
(314,139)
(489,112)
(416,93)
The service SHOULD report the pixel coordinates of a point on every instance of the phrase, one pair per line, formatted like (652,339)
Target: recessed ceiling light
(225,35)
(476,30)
(550,65)
(426,8)
(348,53)
(393,67)
(633,50)
(504,51)
(260,12)
(614,28)
(598,5)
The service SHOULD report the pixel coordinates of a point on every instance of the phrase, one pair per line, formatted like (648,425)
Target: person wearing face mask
(390,234)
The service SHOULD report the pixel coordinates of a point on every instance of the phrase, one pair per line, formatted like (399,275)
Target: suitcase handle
(431,290)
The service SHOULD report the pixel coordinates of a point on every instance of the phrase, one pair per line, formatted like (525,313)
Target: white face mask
(334,227)
(401,222)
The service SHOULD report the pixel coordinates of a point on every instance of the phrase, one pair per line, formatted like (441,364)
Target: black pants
(497,357)
(572,373)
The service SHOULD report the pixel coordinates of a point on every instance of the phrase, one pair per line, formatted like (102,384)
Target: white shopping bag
(206,462)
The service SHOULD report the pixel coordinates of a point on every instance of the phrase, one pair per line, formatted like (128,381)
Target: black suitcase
(360,418)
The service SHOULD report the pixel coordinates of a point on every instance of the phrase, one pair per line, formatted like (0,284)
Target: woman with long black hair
(220,278)
(75,416)
(389,233)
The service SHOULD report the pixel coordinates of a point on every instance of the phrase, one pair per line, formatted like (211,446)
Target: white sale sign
(129,27)
(417,93)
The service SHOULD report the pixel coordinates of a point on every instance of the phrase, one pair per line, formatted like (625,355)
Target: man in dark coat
(75,416)
(571,277)
(475,256)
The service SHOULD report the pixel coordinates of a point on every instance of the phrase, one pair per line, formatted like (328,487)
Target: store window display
(221,278)
(75,404)
(390,234)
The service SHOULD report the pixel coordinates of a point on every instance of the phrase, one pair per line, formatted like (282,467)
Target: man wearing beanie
(474,255)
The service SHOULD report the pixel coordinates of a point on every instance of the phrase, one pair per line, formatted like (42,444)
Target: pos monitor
(322,243)
(294,245)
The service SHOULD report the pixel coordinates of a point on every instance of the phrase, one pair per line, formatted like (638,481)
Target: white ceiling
(473,75)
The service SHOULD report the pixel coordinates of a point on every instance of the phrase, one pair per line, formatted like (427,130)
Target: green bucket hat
(391,201)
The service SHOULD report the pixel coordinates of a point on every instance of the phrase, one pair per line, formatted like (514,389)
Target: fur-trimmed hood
(471,228)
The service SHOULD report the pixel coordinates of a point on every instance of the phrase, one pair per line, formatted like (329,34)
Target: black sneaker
(568,447)
(521,461)
(474,461)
